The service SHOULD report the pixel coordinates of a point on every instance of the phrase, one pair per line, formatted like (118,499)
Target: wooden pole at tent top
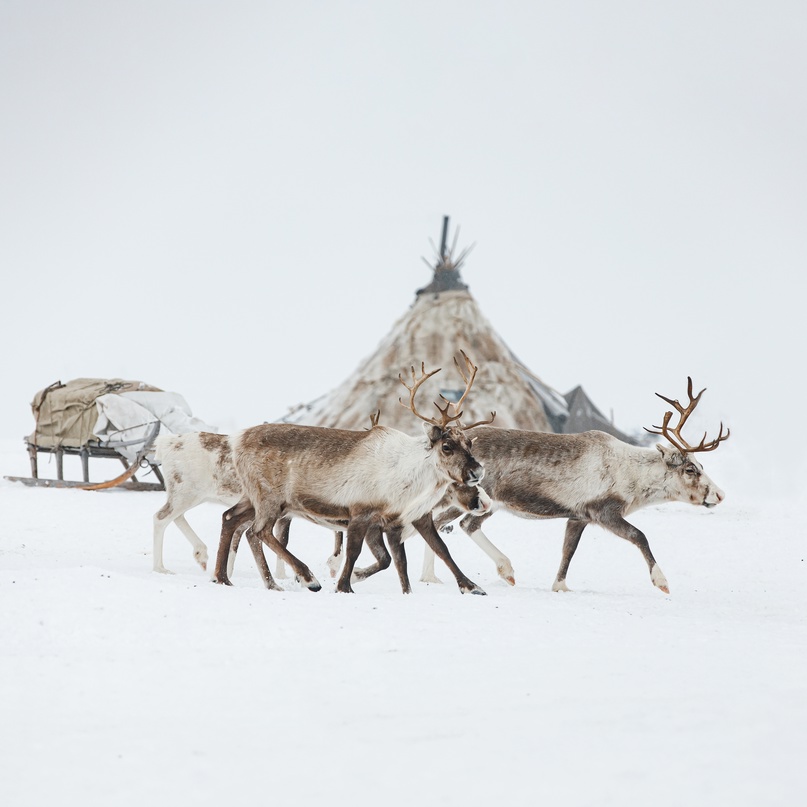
(443,243)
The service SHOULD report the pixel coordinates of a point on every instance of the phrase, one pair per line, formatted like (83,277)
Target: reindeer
(464,498)
(381,479)
(588,478)
(197,468)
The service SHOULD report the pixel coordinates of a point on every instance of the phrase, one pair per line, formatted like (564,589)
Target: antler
(685,411)
(472,368)
(374,420)
(445,418)
(481,422)
(469,380)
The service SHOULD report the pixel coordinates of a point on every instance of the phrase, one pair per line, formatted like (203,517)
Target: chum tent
(443,320)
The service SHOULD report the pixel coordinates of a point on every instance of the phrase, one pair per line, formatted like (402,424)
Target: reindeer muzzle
(479,507)
(713,498)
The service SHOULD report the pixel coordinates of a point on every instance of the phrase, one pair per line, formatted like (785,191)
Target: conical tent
(443,320)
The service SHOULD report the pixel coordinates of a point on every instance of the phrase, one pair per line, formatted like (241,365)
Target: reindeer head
(447,435)
(687,481)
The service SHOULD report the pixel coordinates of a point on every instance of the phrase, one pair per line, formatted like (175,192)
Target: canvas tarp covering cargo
(108,411)
(66,414)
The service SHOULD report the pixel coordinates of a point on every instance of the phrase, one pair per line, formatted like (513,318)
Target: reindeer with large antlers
(381,479)
(588,478)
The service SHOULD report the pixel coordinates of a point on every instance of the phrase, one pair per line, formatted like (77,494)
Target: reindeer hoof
(474,589)
(659,580)
(221,581)
(311,585)
(560,585)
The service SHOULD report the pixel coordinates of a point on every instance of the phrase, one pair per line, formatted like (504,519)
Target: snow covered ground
(124,687)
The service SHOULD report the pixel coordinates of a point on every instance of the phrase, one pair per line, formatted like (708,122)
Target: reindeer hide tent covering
(433,331)
(444,319)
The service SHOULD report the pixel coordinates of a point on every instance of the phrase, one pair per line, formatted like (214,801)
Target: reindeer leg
(232,519)
(396,547)
(283,538)
(574,529)
(334,561)
(442,523)
(284,525)
(161,521)
(300,569)
(255,540)
(425,526)
(472,526)
(356,530)
(237,535)
(427,574)
(199,549)
(162,518)
(612,520)
(375,541)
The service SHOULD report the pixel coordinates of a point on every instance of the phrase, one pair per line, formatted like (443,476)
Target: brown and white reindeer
(198,468)
(588,478)
(458,498)
(381,479)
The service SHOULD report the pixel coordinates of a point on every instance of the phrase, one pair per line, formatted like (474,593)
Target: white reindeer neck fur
(393,459)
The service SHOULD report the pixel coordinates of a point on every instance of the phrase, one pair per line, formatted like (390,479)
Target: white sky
(231,199)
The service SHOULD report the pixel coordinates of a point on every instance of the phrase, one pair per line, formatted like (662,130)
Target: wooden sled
(126,480)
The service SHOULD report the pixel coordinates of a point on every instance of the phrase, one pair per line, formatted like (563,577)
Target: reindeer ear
(434,433)
(672,456)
